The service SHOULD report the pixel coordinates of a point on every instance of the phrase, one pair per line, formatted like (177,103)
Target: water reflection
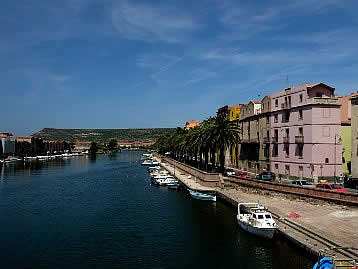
(30,168)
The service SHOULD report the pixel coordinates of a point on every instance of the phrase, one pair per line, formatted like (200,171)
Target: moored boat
(202,196)
(255,219)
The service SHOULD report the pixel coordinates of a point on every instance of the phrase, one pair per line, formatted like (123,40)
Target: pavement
(336,223)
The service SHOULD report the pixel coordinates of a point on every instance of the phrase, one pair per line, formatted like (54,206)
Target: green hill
(102,135)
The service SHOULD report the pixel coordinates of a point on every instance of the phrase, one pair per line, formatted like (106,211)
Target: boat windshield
(268,216)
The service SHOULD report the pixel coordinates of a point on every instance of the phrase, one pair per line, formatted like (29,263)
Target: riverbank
(319,224)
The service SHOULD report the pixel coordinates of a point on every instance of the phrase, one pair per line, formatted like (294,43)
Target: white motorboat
(202,195)
(12,160)
(166,181)
(256,219)
(147,162)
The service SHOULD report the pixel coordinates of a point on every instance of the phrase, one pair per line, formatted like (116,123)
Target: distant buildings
(29,146)
(191,124)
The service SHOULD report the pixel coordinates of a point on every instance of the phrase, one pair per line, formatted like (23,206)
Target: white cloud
(144,22)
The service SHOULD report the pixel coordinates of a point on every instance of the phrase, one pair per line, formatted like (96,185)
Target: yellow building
(234,115)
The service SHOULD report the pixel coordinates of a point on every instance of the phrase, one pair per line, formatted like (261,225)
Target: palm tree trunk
(222,159)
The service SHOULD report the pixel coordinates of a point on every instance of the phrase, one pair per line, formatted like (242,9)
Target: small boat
(202,196)
(147,162)
(255,219)
(12,160)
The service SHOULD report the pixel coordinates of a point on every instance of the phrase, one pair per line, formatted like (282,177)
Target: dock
(317,225)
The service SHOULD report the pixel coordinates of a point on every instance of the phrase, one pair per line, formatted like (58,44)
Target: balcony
(286,139)
(274,140)
(285,105)
(299,139)
(324,101)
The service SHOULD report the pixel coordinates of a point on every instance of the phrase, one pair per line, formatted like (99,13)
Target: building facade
(250,137)
(265,134)
(191,124)
(234,115)
(346,132)
(306,133)
(354,136)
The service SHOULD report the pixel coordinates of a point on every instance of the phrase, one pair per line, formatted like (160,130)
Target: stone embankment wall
(337,197)
(204,178)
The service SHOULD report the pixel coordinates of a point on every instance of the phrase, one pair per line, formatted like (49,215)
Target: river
(103,213)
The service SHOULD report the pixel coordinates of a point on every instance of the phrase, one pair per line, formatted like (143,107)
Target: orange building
(191,124)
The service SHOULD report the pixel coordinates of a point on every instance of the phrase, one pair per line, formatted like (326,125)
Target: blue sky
(132,64)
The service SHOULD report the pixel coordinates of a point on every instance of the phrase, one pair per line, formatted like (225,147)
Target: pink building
(306,134)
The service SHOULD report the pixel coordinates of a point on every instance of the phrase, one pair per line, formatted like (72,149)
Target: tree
(215,134)
(94,148)
(112,145)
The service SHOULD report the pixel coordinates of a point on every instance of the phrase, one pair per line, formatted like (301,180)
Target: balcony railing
(286,139)
(274,139)
(299,139)
(325,101)
(285,105)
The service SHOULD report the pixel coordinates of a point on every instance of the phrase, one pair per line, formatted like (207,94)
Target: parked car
(265,176)
(302,183)
(243,174)
(229,172)
(351,183)
(331,187)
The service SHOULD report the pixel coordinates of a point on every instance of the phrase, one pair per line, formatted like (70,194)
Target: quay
(318,225)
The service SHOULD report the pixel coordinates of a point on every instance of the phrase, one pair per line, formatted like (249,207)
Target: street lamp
(335,152)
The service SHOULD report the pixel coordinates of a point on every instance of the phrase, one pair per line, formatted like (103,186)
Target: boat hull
(202,196)
(263,232)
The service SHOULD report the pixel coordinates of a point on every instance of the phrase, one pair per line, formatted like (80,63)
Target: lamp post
(335,153)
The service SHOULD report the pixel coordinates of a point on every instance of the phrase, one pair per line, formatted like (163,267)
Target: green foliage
(94,148)
(212,136)
(102,135)
(112,145)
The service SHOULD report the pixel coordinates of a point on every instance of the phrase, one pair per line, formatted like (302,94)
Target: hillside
(102,135)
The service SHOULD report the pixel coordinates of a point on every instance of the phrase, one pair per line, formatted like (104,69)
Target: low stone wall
(345,198)
(206,179)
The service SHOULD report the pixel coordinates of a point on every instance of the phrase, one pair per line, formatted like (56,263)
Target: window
(276,103)
(289,101)
(326,160)
(300,114)
(301,98)
(267,120)
(286,117)
(276,118)
(300,131)
(267,216)
(249,164)
(286,149)
(260,216)
(300,151)
(275,152)
(318,94)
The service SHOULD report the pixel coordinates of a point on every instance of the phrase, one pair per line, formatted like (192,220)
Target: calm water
(103,213)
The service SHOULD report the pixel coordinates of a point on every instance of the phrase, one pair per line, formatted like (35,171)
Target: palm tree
(224,134)
(215,134)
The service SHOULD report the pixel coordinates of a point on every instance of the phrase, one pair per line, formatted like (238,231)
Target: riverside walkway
(320,224)
(188,180)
